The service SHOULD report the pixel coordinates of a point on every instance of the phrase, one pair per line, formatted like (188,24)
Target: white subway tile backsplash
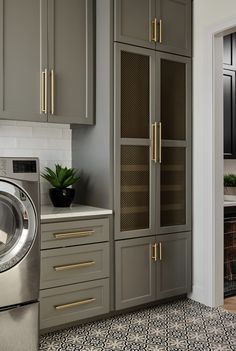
(51,143)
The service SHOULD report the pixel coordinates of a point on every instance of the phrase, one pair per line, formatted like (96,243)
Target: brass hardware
(52,75)
(46,90)
(154,252)
(159,143)
(73,234)
(160,251)
(74,266)
(160,31)
(154,142)
(154,30)
(42,97)
(75,304)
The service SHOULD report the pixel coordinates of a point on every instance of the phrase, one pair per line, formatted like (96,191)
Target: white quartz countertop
(75,211)
(229,203)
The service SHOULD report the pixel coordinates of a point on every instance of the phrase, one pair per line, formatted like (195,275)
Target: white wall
(50,142)
(209,17)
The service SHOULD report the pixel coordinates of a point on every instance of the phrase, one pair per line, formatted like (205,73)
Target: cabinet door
(229,115)
(71,61)
(133,22)
(174,26)
(134,114)
(174,265)
(135,272)
(174,172)
(229,58)
(20,69)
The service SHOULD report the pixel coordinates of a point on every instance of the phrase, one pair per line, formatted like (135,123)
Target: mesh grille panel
(134,95)
(173,187)
(134,187)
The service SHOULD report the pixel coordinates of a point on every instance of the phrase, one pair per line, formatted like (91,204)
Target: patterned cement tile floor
(181,325)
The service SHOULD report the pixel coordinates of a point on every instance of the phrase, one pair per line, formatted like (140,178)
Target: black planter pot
(62,197)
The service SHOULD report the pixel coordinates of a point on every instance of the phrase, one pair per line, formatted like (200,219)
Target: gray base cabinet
(75,271)
(173,265)
(164,25)
(135,272)
(152,268)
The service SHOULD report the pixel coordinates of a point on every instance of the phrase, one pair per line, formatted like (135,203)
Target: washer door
(18,224)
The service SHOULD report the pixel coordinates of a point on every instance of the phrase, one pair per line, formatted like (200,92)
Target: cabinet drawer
(74,264)
(60,234)
(73,302)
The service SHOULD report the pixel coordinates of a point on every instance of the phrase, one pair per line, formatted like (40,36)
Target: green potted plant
(61,179)
(230,187)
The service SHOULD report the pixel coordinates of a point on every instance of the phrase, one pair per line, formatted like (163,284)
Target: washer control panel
(3,167)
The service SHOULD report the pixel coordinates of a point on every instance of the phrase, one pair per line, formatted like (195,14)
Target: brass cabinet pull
(75,304)
(160,251)
(74,266)
(154,30)
(154,252)
(73,234)
(43,92)
(160,31)
(52,75)
(159,143)
(154,142)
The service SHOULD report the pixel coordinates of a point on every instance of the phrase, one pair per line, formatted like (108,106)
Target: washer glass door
(18,224)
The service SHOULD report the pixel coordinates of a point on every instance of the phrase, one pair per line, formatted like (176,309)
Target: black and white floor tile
(181,325)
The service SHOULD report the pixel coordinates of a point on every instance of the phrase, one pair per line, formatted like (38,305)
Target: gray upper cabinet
(133,22)
(163,25)
(20,23)
(70,52)
(46,60)
(174,26)
(173,265)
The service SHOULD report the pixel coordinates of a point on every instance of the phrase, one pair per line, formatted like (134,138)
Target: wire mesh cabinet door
(134,153)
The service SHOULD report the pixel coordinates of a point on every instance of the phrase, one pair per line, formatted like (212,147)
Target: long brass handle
(52,75)
(160,31)
(46,90)
(73,234)
(75,304)
(160,251)
(159,143)
(154,142)
(154,252)
(42,97)
(154,30)
(74,266)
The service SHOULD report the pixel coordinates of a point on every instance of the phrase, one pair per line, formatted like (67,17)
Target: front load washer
(19,254)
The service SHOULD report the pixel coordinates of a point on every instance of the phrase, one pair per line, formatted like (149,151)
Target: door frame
(208,170)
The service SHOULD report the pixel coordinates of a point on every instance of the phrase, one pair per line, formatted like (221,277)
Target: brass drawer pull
(73,234)
(75,304)
(74,266)
(154,252)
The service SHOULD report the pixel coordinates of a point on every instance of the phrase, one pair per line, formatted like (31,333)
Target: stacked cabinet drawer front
(70,264)
(75,233)
(74,271)
(164,25)
(73,302)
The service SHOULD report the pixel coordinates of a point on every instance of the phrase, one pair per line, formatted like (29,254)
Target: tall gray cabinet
(46,60)
(152,161)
